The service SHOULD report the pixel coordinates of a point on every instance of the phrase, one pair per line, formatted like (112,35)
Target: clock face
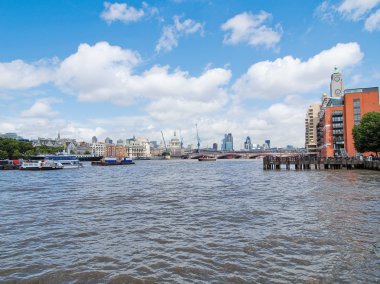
(337,79)
(338,91)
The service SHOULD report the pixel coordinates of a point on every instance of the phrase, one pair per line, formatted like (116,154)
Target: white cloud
(356,9)
(171,33)
(17,74)
(289,75)
(325,12)
(249,28)
(372,23)
(121,12)
(106,73)
(40,109)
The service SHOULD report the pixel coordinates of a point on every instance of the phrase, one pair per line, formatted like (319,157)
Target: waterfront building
(228,143)
(69,145)
(83,148)
(248,144)
(98,149)
(311,122)
(137,147)
(357,102)
(338,114)
(110,150)
(120,151)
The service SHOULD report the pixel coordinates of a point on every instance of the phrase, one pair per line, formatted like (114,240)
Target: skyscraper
(228,142)
(248,144)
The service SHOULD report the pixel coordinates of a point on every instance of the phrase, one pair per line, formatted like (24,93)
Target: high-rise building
(311,122)
(267,143)
(215,146)
(248,144)
(228,142)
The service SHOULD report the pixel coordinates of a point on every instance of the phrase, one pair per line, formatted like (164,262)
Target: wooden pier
(312,162)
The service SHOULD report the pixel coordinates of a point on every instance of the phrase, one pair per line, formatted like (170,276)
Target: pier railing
(307,162)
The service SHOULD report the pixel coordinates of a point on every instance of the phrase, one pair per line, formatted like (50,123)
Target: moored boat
(67,161)
(40,165)
(206,158)
(112,162)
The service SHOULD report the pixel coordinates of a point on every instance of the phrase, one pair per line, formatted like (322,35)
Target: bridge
(236,155)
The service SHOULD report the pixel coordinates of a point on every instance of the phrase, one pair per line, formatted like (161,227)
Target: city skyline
(130,68)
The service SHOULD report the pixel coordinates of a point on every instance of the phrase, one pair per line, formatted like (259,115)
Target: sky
(120,69)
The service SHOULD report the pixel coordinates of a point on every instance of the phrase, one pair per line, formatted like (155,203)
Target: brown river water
(184,221)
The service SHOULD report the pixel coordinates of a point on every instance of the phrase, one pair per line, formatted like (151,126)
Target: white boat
(67,161)
(40,165)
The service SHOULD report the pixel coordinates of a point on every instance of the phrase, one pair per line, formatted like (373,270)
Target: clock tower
(336,84)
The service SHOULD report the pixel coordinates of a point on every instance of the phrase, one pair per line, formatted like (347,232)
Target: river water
(184,221)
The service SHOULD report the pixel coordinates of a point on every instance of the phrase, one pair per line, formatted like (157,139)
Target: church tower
(336,84)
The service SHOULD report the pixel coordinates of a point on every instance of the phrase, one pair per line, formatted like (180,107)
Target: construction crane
(198,139)
(166,153)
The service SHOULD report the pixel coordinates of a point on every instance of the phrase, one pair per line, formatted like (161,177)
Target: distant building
(311,122)
(248,144)
(175,146)
(228,143)
(108,140)
(267,143)
(83,148)
(98,149)
(94,140)
(11,136)
(215,146)
(137,147)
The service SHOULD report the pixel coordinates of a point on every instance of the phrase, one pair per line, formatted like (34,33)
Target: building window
(356,111)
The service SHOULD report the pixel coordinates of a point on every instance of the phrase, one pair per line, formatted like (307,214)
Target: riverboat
(9,164)
(40,165)
(67,161)
(206,158)
(112,162)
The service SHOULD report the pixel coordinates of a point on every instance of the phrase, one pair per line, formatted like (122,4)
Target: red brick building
(357,102)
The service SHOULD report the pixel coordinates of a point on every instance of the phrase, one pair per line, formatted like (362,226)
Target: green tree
(16,154)
(3,155)
(367,133)
(29,153)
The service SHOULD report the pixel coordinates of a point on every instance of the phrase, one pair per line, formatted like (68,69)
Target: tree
(3,155)
(367,133)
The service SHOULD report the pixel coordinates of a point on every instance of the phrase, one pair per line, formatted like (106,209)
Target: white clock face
(338,91)
(337,79)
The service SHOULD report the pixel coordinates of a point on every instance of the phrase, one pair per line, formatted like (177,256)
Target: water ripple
(189,222)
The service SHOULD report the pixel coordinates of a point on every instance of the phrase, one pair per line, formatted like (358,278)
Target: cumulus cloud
(121,12)
(106,73)
(373,22)
(250,29)
(41,108)
(289,75)
(172,33)
(355,10)
(351,10)
(17,74)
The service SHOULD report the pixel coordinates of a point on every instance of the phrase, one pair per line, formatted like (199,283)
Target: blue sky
(125,68)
